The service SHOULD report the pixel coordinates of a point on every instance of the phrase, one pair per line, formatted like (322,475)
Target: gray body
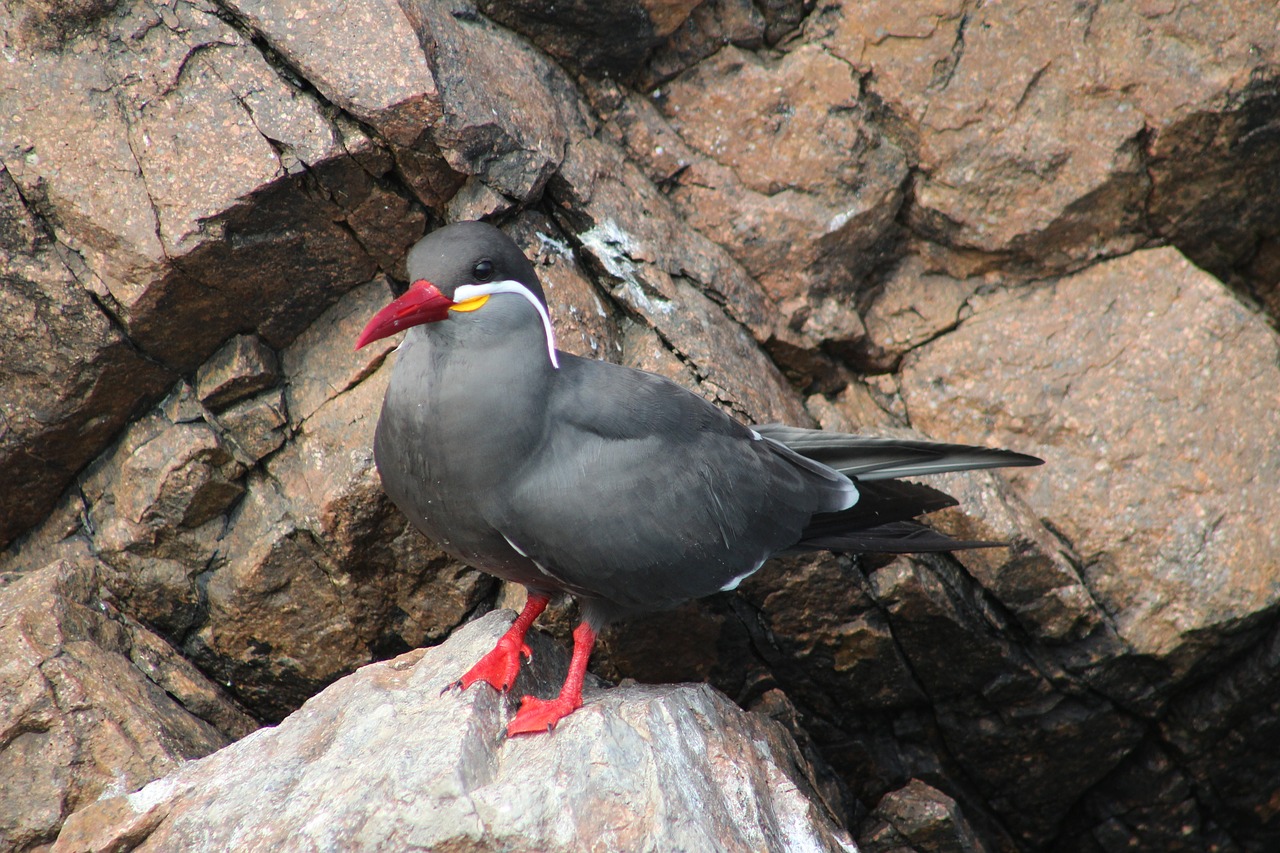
(615,485)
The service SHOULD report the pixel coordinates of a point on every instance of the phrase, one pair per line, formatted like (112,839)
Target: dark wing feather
(705,501)
(886,458)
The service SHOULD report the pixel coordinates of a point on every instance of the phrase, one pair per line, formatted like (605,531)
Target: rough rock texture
(93,703)
(389,758)
(1191,506)
(1043,225)
(918,817)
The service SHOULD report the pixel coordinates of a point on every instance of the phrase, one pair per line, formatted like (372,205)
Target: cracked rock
(652,768)
(972,221)
(244,366)
(1119,414)
(94,703)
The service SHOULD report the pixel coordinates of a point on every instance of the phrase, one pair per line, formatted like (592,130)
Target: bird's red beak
(421,303)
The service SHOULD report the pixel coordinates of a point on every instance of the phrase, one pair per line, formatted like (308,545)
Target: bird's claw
(541,715)
(498,668)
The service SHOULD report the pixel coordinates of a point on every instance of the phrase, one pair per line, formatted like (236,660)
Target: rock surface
(1043,225)
(1192,505)
(389,758)
(91,703)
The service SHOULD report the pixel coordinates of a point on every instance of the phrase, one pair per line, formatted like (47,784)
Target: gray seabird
(619,487)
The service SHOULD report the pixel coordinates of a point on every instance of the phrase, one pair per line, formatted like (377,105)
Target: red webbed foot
(500,667)
(541,715)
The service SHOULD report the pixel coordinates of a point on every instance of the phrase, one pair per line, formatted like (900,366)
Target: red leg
(500,666)
(541,715)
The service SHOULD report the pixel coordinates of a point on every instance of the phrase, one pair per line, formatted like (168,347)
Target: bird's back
(644,495)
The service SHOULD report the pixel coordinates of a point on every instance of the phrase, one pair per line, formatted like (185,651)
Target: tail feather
(881,502)
(881,520)
(869,459)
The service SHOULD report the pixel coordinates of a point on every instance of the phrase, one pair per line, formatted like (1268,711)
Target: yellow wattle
(470,304)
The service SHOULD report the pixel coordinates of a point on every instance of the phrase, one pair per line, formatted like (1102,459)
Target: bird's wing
(887,458)
(646,495)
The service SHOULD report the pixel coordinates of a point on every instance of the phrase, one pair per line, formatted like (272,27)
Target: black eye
(483,271)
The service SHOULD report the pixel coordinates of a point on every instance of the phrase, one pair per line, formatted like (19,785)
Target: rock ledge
(383,760)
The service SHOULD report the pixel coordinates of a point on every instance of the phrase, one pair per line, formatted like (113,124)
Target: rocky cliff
(1048,226)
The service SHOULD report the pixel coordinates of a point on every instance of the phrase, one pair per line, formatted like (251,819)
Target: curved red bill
(421,303)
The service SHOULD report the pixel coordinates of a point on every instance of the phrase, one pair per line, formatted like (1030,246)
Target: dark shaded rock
(820,614)
(610,37)
(1147,803)
(711,25)
(920,819)
(94,703)
(507,127)
(68,377)
(1224,734)
(637,767)
(242,367)
(47,23)
(993,703)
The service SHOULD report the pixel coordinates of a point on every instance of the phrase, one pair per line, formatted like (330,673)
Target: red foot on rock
(500,667)
(541,715)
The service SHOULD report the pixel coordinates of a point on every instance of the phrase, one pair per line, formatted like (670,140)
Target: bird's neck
(467,384)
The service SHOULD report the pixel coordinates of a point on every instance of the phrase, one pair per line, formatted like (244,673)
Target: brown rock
(68,377)
(327,574)
(914,306)
(363,57)
(256,426)
(637,767)
(800,199)
(146,193)
(154,507)
(1130,356)
(1106,682)
(94,703)
(632,239)
(995,103)
(509,126)
(1033,126)
(244,366)
(813,180)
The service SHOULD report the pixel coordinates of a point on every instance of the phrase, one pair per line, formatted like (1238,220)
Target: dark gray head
(454,272)
(470,253)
